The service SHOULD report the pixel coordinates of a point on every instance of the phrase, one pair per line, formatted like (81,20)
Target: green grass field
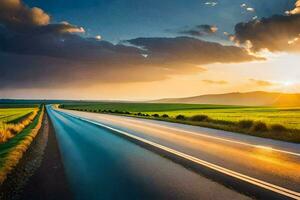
(289,116)
(147,107)
(8,115)
(282,123)
(5,148)
(12,150)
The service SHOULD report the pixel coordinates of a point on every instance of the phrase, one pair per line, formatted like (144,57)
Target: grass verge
(248,127)
(12,150)
(14,127)
(287,116)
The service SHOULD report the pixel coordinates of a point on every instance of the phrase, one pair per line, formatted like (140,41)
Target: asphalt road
(272,165)
(102,165)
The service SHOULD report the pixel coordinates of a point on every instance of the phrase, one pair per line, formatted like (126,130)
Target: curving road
(102,165)
(252,165)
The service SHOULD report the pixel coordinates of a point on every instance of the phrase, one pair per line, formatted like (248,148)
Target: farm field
(281,123)
(18,127)
(146,107)
(287,116)
(13,114)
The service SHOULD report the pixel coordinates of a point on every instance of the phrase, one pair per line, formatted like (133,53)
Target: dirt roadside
(40,173)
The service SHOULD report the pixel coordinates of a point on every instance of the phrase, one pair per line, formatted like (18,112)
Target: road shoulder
(40,173)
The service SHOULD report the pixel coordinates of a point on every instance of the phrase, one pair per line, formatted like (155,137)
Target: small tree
(199,118)
(165,116)
(246,124)
(259,127)
(180,117)
(278,128)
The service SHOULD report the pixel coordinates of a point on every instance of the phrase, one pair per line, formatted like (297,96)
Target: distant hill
(257,98)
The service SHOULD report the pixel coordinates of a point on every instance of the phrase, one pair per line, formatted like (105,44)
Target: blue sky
(118,20)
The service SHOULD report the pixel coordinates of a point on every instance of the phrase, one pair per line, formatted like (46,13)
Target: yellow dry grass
(9,130)
(17,152)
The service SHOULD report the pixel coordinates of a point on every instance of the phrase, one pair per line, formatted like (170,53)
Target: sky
(150,49)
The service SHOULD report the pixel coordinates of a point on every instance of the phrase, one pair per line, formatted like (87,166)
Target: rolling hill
(256,98)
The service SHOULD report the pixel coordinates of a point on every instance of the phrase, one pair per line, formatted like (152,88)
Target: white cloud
(211,3)
(98,37)
(250,9)
(247,8)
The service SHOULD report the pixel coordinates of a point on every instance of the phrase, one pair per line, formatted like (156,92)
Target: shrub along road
(255,121)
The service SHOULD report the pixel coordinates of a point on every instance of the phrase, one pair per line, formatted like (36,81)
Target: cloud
(296,10)
(14,13)
(36,53)
(186,51)
(67,27)
(250,9)
(19,18)
(200,30)
(211,3)
(50,61)
(221,82)
(275,33)
(247,8)
(261,82)
(98,37)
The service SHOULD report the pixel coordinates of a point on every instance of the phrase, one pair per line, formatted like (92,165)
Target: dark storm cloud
(276,33)
(200,30)
(35,53)
(190,51)
(49,61)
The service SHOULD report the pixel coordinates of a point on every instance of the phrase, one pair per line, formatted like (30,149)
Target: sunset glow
(88,59)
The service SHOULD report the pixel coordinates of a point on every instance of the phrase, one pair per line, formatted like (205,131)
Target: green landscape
(8,115)
(281,123)
(18,126)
